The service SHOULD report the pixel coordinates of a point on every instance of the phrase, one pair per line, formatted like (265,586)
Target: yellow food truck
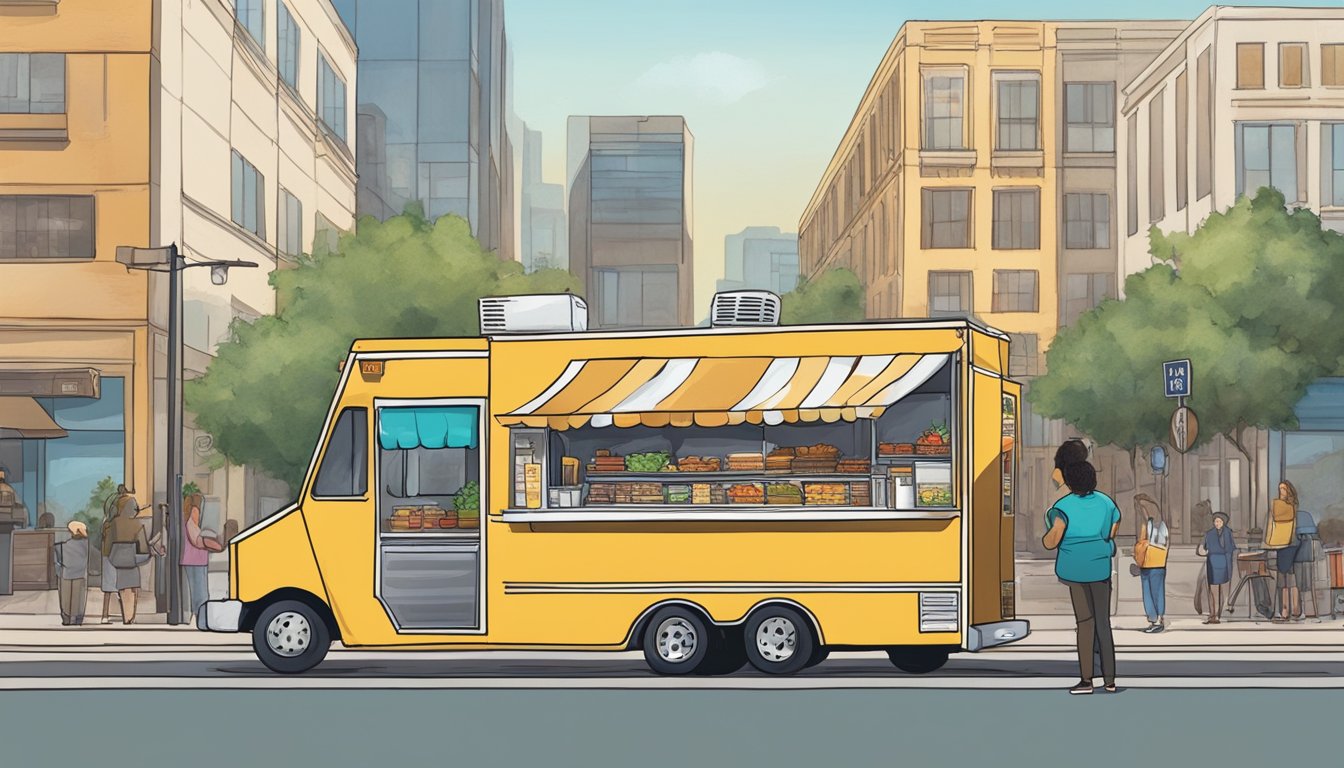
(740,493)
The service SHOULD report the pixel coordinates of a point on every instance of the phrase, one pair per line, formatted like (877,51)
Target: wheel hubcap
(677,640)
(288,634)
(776,639)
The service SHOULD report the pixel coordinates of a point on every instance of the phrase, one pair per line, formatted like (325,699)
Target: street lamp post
(167,259)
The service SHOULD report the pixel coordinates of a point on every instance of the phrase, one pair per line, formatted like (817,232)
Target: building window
(1332,164)
(1267,157)
(289,43)
(944,109)
(1332,64)
(1132,175)
(1250,65)
(1293,65)
(1157,173)
(633,298)
(249,196)
(1083,292)
(947,218)
(1203,126)
(331,97)
(1087,220)
(1017,219)
(1022,357)
(1182,140)
(950,294)
(252,15)
(32,83)
(1089,114)
(290,225)
(40,227)
(1015,291)
(1019,96)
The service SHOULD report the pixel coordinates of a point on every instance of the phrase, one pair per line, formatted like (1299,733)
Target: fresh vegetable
(467,502)
(938,434)
(654,461)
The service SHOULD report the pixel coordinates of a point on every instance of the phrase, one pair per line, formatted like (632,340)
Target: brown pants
(1092,611)
(1217,597)
(74,596)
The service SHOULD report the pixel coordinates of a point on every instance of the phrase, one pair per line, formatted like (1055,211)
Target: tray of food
(783,493)
(934,441)
(678,494)
(652,461)
(833,494)
(933,495)
(746,493)
(746,462)
(854,466)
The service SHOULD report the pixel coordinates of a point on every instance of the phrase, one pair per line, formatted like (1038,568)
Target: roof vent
(533,314)
(744,308)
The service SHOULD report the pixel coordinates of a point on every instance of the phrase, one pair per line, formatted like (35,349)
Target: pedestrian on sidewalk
(125,549)
(1081,526)
(195,560)
(72,566)
(1308,542)
(1150,556)
(1219,549)
(1281,536)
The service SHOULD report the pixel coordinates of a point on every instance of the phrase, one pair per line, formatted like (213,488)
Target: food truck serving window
(902,458)
(429,468)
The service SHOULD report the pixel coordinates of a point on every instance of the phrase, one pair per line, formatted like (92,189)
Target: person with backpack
(1150,556)
(125,548)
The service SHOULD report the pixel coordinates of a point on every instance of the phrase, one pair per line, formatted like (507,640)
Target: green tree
(265,394)
(1247,299)
(836,296)
(92,513)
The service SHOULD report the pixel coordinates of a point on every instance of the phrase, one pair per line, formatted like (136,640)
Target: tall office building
(432,112)
(544,227)
(630,219)
(760,258)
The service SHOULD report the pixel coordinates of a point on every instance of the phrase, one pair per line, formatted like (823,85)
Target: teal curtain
(448,426)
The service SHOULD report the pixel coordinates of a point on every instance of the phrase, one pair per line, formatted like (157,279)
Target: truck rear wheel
(778,640)
(918,660)
(677,641)
(290,637)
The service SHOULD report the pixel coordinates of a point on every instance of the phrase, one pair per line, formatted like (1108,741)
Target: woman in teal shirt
(1081,526)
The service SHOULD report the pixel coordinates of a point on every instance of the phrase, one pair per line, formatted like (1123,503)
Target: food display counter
(902,460)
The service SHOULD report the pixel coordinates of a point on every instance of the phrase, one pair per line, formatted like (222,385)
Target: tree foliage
(836,296)
(1248,299)
(265,394)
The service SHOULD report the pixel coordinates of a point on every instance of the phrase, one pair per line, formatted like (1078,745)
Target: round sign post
(1184,429)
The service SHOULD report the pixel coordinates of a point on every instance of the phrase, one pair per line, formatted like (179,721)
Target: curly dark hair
(1081,477)
(1071,452)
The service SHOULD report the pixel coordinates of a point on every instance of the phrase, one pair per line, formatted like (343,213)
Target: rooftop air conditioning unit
(750,308)
(533,314)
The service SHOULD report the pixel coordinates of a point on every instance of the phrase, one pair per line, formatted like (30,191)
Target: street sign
(1176,378)
(1184,429)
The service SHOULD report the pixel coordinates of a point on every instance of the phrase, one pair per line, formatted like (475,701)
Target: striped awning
(718,391)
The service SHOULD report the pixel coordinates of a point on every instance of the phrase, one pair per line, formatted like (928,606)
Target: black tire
(677,641)
(726,655)
(300,650)
(918,660)
(778,640)
(819,655)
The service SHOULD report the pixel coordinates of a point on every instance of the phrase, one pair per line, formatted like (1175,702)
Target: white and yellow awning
(718,391)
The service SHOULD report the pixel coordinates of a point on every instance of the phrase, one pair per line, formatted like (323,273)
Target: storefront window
(429,469)
(60,475)
(1314,464)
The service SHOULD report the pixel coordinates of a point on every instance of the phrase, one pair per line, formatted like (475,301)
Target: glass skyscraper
(432,102)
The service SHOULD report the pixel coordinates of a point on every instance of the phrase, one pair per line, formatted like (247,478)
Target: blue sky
(767,86)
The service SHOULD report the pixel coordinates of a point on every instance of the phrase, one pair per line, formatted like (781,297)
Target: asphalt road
(556,728)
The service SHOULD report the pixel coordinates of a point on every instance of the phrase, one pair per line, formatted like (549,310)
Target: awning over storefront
(718,391)
(430,427)
(23,417)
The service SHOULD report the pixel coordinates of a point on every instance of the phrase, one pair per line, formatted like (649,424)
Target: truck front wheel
(290,637)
